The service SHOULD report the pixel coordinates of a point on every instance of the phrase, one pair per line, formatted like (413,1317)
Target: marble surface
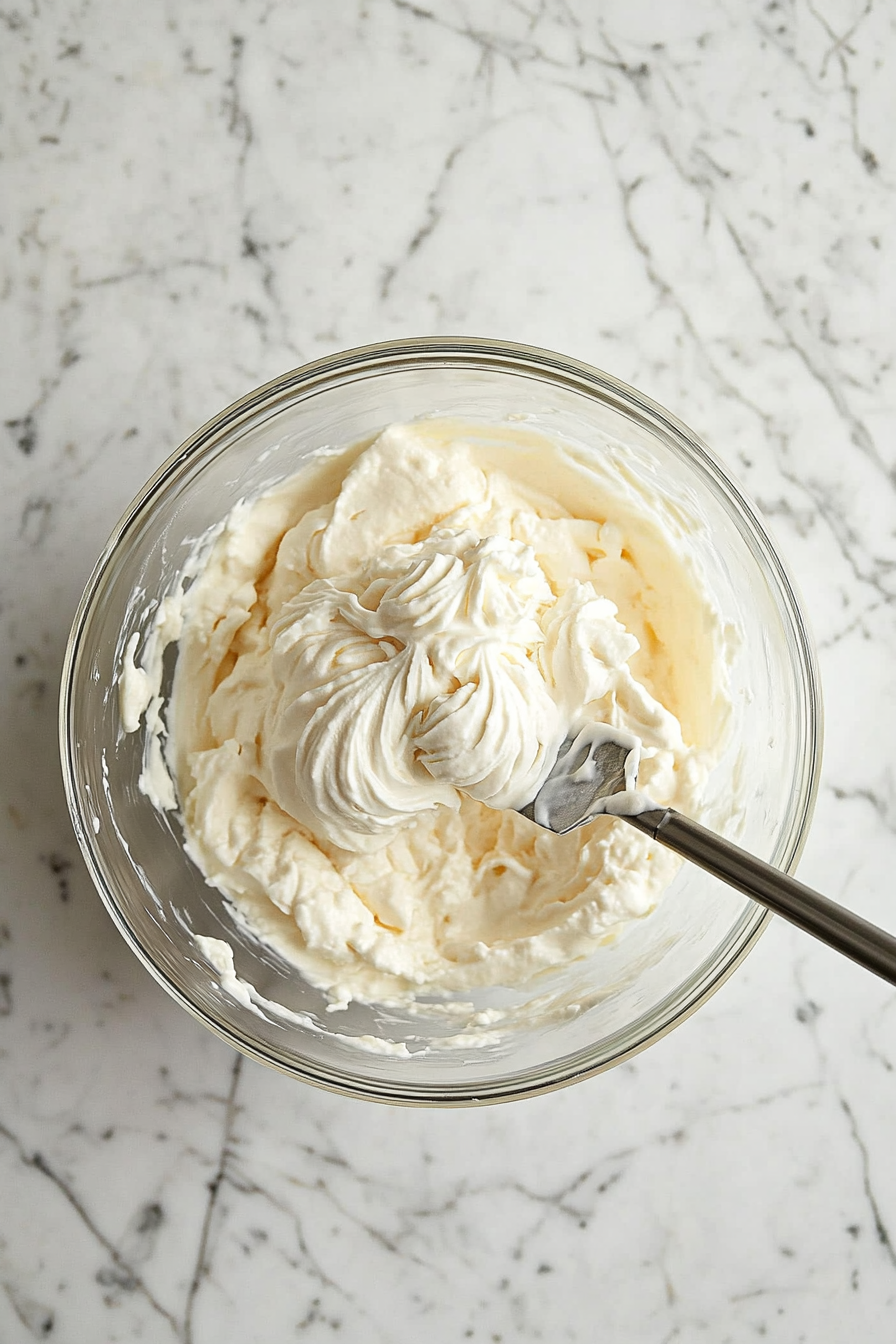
(700,198)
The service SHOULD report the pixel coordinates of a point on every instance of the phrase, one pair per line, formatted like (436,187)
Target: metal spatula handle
(870,946)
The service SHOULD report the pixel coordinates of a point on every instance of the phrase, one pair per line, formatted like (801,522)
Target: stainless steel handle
(870,946)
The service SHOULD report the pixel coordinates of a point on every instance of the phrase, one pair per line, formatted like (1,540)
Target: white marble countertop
(698,198)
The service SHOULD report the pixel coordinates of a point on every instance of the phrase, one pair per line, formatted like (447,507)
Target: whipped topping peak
(418,676)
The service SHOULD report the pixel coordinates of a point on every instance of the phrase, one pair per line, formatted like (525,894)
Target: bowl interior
(573,1022)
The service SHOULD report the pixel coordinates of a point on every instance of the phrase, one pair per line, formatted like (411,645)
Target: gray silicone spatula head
(591,771)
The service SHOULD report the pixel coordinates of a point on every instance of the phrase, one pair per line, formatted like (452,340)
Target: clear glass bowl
(627,994)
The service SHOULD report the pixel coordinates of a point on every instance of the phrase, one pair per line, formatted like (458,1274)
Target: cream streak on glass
(377,662)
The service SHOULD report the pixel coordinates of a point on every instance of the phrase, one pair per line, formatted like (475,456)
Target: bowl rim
(501,357)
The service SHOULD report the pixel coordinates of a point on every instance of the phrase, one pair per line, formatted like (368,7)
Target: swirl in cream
(427,673)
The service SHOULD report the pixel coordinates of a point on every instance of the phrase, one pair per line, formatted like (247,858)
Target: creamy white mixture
(377,663)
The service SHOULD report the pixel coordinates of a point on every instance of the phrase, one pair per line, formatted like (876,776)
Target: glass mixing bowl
(586,1017)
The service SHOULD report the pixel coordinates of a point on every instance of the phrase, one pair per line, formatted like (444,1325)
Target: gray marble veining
(699,198)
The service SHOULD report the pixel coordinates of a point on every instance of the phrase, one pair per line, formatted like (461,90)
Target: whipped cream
(377,663)
(412,679)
